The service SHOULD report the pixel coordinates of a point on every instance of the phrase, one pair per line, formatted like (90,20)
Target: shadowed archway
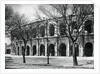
(88,51)
(34,49)
(18,50)
(62,29)
(28,50)
(8,51)
(42,31)
(62,49)
(51,30)
(89,26)
(42,50)
(51,50)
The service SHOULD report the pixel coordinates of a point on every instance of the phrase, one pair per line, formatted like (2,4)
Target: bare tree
(43,21)
(19,30)
(8,12)
(8,16)
(73,16)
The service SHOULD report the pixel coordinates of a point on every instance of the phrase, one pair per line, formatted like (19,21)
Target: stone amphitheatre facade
(58,43)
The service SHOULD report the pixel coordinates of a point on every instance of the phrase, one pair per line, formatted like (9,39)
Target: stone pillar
(80,50)
(20,50)
(56,49)
(55,27)
(30,50)
(67,49)
(37,49)
(45,32)
(48,30)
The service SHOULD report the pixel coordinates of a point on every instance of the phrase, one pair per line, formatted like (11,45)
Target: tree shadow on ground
(87,63)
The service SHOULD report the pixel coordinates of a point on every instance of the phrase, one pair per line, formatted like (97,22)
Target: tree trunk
(75,63)
(47,52)
(24,61)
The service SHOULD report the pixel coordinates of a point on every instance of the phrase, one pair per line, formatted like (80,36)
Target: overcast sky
(29,10)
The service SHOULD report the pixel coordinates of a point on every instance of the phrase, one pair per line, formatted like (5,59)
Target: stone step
(8,59)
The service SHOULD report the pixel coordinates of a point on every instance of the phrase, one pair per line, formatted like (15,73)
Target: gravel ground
(40,62)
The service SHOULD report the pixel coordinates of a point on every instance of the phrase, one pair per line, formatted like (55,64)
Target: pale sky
(29,10)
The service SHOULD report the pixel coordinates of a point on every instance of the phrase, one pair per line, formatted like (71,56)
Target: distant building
(7,49)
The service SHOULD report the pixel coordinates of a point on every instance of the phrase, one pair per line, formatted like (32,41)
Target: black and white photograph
(49,36)
(54,36)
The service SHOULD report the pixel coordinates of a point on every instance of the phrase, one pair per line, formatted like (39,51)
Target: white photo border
(96,39)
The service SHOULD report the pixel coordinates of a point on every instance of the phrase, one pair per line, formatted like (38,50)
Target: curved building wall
(57,45)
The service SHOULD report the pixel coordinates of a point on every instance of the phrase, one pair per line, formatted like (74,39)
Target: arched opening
(62,50)
(28,50)
(42,31)
(42,50)
(51,50)
(88,51)
(89,26)
(34,32)
(8,51)
(18,50)
(34,49)
(51,30)
(62,28)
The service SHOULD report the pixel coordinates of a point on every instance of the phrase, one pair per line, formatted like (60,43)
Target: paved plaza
(40,62)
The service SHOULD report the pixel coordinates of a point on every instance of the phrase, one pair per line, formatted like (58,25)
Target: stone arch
(89,26)
(34,49)
(62,49)
(62,29)
(88,51)
(28,50)
(42,31)
(51,50)
(51,30)
(42,49)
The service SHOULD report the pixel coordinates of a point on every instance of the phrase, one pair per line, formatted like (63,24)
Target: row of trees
(16,25)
